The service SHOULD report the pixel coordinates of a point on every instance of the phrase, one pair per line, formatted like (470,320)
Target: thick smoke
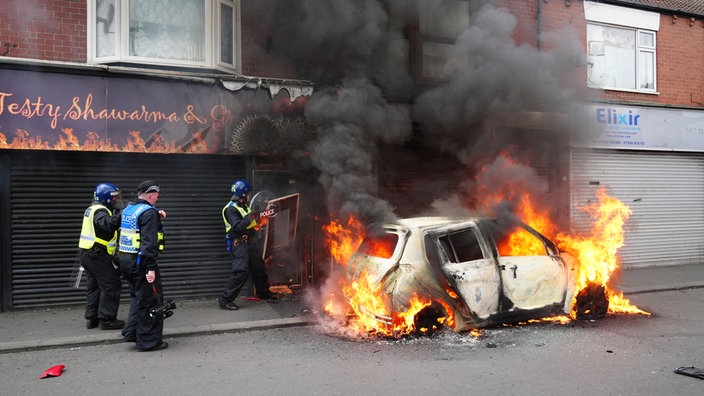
(352,119)
(346,46)
(358,56)
(493,77)
(355,49)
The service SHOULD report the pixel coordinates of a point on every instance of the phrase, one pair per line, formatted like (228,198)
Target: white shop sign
(600,125)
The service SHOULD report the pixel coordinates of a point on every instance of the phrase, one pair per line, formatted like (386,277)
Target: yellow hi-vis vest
(243,213)
(88,237)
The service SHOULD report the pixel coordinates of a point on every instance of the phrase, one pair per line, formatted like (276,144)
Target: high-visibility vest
(243,213)
(228,226)
(129,229)
(88,236)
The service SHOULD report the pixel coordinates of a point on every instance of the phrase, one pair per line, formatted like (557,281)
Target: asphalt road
(618,355)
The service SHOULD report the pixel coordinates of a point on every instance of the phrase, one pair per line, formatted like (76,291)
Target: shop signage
(601,125)
(54,111)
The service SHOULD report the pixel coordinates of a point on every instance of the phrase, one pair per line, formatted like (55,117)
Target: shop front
(64,131)
(652,159)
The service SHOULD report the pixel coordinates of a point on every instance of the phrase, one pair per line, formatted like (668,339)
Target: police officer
(97,243)
(240,229)
(141,240)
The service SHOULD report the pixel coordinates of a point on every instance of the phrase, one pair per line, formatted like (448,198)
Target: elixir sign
(637,127)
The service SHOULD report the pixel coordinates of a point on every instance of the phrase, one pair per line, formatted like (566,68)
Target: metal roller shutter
(664,190)
(50,190)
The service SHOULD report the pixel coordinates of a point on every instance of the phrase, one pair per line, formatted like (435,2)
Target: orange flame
(365,303)
(596,253)
(135,143)
(343,240)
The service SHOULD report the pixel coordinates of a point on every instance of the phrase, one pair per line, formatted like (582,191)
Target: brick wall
(47,30)
(680,65)
(680,51)
(55,30)
(262,42)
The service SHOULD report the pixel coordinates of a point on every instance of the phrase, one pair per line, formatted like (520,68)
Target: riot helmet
(240,189)
(106,194)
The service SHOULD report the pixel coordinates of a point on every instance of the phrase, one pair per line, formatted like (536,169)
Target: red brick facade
(55,30)
(47,30)
(261,49)
(679,78)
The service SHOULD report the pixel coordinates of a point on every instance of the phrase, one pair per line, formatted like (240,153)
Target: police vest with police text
(129,229)
(88,236)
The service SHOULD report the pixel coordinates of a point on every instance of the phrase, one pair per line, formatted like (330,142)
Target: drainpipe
(538,17)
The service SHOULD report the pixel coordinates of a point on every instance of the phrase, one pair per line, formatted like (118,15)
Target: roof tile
(695,7)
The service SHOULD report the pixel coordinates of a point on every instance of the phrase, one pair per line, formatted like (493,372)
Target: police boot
(114,324)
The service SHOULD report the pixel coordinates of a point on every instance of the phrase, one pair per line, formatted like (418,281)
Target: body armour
(129,229)
(88,236)
(228,226)
(243,213)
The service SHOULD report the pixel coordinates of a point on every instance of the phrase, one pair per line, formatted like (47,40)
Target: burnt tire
(592,302)
(427,320)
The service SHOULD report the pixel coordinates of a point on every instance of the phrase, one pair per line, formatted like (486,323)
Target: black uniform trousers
(145,331)
(103,285)
(246,259)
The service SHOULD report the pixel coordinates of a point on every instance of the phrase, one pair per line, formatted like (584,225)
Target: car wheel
(427,320)
(592,302)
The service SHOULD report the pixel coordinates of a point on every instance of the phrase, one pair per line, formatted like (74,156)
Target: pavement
(59,327)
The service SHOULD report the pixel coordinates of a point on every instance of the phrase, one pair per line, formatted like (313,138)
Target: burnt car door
(533,276)
(470,270)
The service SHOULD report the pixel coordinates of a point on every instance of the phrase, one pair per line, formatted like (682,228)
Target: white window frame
(212,41)
(627,19)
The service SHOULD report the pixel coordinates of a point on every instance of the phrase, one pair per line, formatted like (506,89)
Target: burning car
(467,273)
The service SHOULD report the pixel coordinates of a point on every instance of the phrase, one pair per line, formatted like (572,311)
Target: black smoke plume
(356,52)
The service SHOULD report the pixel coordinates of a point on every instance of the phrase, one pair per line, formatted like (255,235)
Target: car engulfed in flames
(434,272)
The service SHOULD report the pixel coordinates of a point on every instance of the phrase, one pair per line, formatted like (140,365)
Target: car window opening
(520,242)
(461,246)
(380,246)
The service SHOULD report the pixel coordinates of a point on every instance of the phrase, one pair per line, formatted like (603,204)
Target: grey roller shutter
(665,192)
(50,190)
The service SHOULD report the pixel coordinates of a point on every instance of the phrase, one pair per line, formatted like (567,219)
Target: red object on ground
(53,371)
(253,298)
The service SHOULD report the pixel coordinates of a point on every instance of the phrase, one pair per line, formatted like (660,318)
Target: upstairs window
(178,33)
(621,48)
(431,40)
(438,35)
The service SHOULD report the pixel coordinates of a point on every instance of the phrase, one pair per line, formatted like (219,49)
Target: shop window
(179,33)
(621,48)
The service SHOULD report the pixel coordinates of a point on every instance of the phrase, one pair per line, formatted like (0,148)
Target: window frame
(429,47)
(212,59)
(638,50)
(628,19)
(449,244)
(643,49)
